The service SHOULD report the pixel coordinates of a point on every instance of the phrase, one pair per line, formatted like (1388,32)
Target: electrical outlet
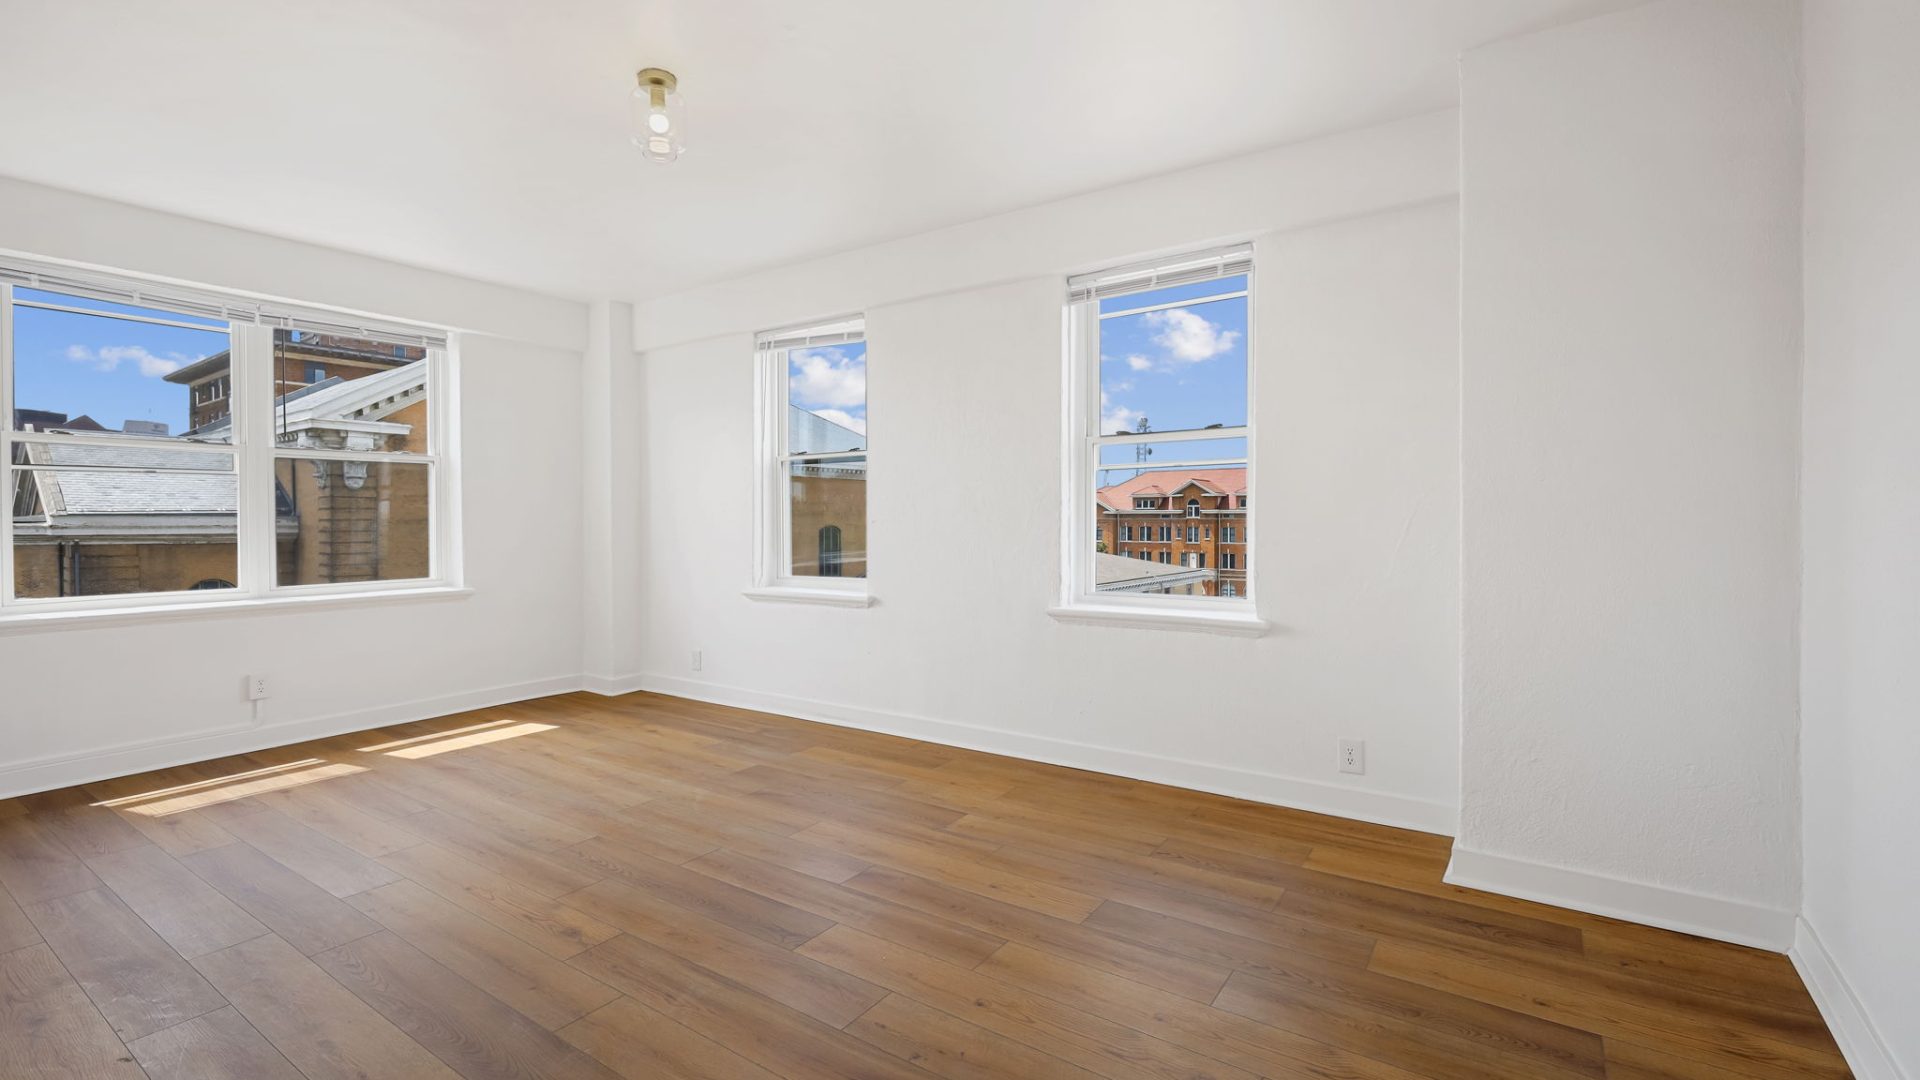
(1353,755)
(696,659)
(256,687)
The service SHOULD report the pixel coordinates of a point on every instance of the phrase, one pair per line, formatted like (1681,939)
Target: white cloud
(1187,337)
(827,377)
(844,419)
(1138,362)
(1115,417)
(111,357)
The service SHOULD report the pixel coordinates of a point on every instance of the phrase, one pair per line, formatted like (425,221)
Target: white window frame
(250,328)
(1078,600)
(773,578)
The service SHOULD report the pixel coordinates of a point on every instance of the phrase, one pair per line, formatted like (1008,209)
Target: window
(814,453)
(1126,532)
(1159,419)
(149,457)
(830,563)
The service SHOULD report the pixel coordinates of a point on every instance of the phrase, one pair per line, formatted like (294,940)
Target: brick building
(1196,520)
(89,522)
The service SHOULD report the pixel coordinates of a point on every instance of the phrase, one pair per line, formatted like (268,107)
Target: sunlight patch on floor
(173,800)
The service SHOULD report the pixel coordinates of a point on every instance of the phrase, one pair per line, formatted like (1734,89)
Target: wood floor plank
(463,1026)
(807,986)
(1277,947)
(812,859)
(749,912)
(181,833)
(952,1047)
(319,808)
(1189,978)
(950,941)
(314,856)
(650,886)
(785,1042)
(184,910)
(1425,1034)
(1087,1039)
(641,1043)
(137,980)
(929,854)
(16,930)
(88,830)
(326,1032)
(49,1028)
(218,1046)
(35,865)
(1261,1048)
(533,917)
(303,914)
(1703,1038)
(538,985)
(547,874)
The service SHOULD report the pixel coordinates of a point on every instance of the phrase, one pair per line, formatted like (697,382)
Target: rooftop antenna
(1141,451)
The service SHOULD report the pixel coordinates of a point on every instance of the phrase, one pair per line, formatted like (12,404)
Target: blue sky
(106,368)
(831,382)
(1181,368)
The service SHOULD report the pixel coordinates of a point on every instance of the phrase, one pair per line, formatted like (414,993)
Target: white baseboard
(47,773)
(1866,1053)
(1361,805)
(1598,894)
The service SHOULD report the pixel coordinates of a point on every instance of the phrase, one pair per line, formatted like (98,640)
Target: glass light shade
(659,121)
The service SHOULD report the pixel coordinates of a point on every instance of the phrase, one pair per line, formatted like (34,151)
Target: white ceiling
(489,137)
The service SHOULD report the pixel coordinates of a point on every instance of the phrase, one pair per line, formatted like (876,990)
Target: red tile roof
(1212,481)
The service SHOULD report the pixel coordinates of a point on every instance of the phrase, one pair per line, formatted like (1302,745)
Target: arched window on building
(1193,507)
(830,551)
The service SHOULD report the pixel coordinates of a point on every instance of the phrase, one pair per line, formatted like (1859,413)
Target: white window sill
(88,618)
(1241,624)
(788,594)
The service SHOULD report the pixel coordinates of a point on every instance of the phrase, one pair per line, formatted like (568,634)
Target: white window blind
(1140,277)
(207,304)
(813,335)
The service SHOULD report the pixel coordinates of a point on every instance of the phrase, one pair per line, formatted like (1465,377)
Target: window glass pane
(1189,523)
(346,521)
(107,372)
(92,532)
(1174,368)
(1127,457)
(827,399)
(342,393)
(828,502)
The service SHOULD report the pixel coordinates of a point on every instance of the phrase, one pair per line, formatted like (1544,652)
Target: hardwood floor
(647,887)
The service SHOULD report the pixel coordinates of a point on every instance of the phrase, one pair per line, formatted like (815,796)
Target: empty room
(1100,539)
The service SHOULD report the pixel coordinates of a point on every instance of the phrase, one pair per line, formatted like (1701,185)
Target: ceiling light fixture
(659,115)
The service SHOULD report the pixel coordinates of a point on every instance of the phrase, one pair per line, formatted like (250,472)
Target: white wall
(1358,484)
(78,704)
(1860,647)
(1631,369)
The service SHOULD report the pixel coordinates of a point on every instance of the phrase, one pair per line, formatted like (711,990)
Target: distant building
(88,522)
(828,499)
(1194,520)
(300,360)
